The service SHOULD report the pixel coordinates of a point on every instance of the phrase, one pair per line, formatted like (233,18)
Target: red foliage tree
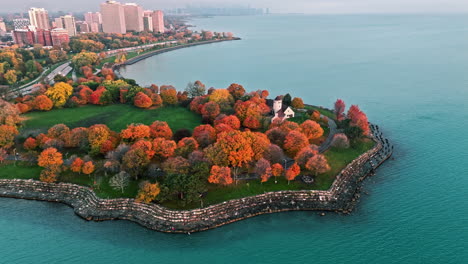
(30,144)
(146,146)
(292,172)
(186,146)
(339,109)
(230,120)
(204,135)
(164,148)
(236,90)
(263,169)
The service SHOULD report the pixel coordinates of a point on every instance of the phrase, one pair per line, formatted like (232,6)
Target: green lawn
(324,112)
(116,117)
(338,159)
(19,171)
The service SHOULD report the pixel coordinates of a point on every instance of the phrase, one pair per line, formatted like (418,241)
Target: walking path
(333,130)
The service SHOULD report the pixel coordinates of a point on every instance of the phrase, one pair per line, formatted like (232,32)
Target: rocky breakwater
(341,197)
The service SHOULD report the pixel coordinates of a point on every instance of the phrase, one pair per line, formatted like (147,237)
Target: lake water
(409,73)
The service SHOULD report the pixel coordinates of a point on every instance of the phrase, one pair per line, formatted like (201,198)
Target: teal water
(409,73)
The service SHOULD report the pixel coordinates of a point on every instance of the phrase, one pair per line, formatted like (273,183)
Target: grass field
(116,117)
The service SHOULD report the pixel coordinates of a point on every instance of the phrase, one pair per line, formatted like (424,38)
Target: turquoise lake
(408,72)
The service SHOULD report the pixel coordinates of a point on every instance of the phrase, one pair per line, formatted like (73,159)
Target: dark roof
(279,97)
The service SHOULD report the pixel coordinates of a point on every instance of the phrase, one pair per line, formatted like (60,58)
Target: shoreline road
(333,130)
(63,69)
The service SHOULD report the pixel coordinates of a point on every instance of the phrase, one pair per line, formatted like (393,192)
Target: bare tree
(120,181)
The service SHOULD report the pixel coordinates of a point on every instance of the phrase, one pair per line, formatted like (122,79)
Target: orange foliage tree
(294,142)
(210,110)
(297,103)
(292,172)
(43,103)
(263,169)
(141,100)
(88,168)
(160,129)
(168,95)
(136,131)
(30,143)
(148,192)
(220,175)
(186,146)
(77,165)
(164,148)
(311,129)
(204,135)
(7,135)
(276,170)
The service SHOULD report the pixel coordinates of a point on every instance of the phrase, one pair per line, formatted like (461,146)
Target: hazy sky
(276,6)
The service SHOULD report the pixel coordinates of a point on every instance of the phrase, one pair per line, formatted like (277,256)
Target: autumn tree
(236,90)
(276,170)
(30,143)
(292,172)
(134,161)
(164,148)
(311,129)
(120,181)
(186,146)
(204,135)
(168,95)
(88,168)
(160,129)
(84,59)
(263,169)
(7,135)
(148,192)
(297,103)
(3,155)
(318,164)
(210,110)
(141,100)
(43,103)
(294,142)
(97,135)
(340,140)
(220,175)
(77,165)
(339,109)
(230,120)
(305,154)
(176,165)
(135,131)
(10,77)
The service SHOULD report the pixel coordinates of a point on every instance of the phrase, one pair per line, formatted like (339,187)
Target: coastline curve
(341,197)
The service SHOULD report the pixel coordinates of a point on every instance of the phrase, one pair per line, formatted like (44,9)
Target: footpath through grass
(116,117)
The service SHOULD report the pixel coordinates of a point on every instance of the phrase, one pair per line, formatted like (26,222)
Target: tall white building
(68,23)
(158,21)
(133,17)
(94,21)
(113,17)
(148,21)
(39,17)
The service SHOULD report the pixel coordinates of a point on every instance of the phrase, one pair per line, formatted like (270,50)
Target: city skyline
(293,6)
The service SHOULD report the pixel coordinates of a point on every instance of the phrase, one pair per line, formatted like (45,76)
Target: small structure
(279,110)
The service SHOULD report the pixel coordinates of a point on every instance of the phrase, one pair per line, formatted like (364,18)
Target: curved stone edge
(341,197)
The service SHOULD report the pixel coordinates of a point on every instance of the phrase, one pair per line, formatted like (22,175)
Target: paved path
(333,130)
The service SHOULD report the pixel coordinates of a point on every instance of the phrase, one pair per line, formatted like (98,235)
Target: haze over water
(409,73)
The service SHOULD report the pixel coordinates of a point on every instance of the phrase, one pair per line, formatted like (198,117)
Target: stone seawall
(341,197)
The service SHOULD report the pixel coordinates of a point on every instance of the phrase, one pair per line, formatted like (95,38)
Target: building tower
(39,18)
(147,21)
(113,17)
(133,17)
(94,21)
(158,21)
(68,23)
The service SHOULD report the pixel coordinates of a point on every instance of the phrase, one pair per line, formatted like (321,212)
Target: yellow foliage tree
(148,192)
(59,93)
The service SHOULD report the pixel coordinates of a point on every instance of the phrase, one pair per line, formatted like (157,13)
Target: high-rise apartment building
(133,17)
(59,36)
(39,18)
(147,21)
(21,23)
(68,23)
(94,21)
(158,21)
(82,27)
(44,37)
(113,17)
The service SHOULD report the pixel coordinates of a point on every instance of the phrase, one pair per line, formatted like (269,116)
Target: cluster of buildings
(114,17)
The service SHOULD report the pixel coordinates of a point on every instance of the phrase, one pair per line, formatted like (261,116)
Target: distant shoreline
(141,57)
